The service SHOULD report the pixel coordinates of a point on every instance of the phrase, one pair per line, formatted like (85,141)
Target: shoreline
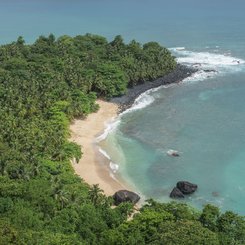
(94,167)
(176,76)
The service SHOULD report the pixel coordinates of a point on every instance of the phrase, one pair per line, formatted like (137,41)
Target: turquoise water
(204,121)
(203,118)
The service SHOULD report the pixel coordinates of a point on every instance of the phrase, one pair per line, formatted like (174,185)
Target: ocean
(203,117)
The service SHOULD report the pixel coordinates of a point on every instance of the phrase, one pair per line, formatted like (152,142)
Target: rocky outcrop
(183,188)
(173,153)
(177,75)
(125,196)
(186,187)
(210,70)
(176,193)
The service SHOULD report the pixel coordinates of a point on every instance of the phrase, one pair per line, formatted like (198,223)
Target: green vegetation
(42,87)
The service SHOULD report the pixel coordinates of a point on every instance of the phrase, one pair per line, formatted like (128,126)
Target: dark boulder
(210,70)
(176,193)
(186,187)
(125,196)
(173,153)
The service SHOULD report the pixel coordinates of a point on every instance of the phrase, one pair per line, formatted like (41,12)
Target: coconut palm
(95,193)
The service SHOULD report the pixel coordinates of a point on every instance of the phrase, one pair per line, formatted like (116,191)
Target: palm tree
(60,195)
(95,193)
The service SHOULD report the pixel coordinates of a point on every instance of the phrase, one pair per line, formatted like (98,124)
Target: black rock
(210,70)
(186,187)
(125,196)
(176,193)
(177,75)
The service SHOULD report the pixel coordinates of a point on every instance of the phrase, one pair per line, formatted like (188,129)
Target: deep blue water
(204,118)
(173,23)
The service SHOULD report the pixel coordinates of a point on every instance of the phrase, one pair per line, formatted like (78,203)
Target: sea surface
(203,117)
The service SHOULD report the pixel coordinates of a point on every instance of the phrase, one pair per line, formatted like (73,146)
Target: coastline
(94,167)
(176,76)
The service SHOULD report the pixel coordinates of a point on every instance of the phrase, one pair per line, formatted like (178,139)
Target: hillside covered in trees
(44,86)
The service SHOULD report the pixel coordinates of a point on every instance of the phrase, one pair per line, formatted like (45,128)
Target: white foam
(114,167)
(104,153)
(207,60)
(199,76)
(109,127)
(143,100)
(113,176)
(180,48)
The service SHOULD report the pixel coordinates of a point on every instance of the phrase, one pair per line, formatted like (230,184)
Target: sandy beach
(93,167)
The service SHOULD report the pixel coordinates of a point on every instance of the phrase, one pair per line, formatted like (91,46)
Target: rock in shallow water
(210,70)
(173,153)
(125,196)
(176,193)
(186,187)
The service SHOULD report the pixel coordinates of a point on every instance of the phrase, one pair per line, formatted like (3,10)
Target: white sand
(93,167)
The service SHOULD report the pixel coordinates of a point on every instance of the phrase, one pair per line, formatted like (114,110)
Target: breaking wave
(113,166)
(209,64)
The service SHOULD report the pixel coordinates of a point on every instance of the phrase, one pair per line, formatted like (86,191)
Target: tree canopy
(43,86)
